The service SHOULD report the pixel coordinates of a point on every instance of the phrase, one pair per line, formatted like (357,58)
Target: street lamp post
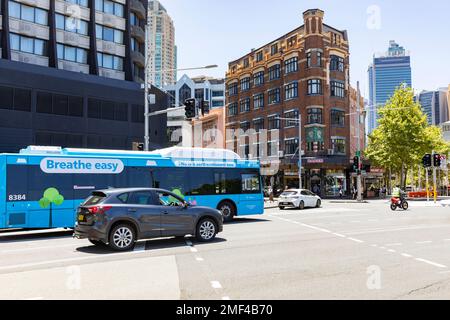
(300,166)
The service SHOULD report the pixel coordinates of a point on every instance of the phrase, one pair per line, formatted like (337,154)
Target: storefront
(335,182)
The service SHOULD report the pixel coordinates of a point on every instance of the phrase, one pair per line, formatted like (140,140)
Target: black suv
(120,217)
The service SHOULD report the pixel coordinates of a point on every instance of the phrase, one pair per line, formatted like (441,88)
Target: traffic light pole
(359,178)
(427,185)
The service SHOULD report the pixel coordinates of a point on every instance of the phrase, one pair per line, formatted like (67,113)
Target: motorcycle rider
(397,193)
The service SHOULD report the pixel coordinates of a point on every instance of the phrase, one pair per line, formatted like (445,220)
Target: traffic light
(437,160)
(356,164)
(205,107)
(190,108)
(427,161)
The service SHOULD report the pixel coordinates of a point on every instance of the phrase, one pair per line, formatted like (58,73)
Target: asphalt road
(341,251)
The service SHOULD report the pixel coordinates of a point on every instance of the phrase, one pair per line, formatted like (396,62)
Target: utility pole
(146,87)
(434,180)
(300,184)
(359,182)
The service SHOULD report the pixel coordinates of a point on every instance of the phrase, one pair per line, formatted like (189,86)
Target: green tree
(403,135)
(51,196)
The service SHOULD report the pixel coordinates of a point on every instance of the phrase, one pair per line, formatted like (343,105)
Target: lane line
(355,240)
(199,259)
(392,251)
(194,250)
(407,255)
(226,298)
(431,263)
(216,285)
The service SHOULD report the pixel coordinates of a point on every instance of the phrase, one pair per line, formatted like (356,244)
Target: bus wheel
(228,211)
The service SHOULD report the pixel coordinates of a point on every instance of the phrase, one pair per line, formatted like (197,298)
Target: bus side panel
(2,191)
(251,204)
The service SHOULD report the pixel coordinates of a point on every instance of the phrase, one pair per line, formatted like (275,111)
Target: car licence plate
(81,218)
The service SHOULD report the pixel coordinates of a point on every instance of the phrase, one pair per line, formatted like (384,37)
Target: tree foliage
(403,135)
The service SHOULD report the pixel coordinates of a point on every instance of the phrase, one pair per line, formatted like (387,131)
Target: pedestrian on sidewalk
(341,193)
(270,195)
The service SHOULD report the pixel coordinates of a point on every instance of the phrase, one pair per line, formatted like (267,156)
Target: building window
(232,109)
(28,45)
(274,122)
(291,146)
(274,49)
(184,93)
(338,145)
(337,89)
(275,72)
(109,61)
(291,65)
(109,7)
(73,54)
(258,101)
(245,84)
(27,13)
(107,110)
(259,56)
(291,91)
(259,78)
(337,64)
(274,96)
(199,94)
(108,34)
(292,41)
(246,63)
(134,20)
(337,118)
(71,24)
(314,139)
(83,3)
(314,59)
(273,147)
(245,105)
(314,87)
(245,127)
(216,94)
(217,103)
(315,116)
(293,114)
(59,104)
(233,89)
(258,124)
(15,99)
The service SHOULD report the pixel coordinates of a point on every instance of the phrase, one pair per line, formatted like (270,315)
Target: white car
(299,199)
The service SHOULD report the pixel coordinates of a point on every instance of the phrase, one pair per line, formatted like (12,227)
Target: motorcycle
(399,203)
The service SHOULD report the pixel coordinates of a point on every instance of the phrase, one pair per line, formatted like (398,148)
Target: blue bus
(41,187)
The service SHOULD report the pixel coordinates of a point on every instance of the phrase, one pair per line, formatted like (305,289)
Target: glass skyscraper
(386,73)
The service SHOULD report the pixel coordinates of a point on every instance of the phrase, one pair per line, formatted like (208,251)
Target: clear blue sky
(219,31)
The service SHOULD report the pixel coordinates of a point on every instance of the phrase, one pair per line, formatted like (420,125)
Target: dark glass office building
(71,74)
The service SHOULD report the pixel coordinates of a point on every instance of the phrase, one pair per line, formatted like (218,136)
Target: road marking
(226,298)
(392,251)
(431,263)
(194,250)
(140,246)
(39,248)
(374,245)
(199,259)
(216,285)
(35,298)
(355,240)
(339,235)
(407,255)
(424,242)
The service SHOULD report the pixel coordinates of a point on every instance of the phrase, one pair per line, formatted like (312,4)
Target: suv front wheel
(122,238)
(206,230)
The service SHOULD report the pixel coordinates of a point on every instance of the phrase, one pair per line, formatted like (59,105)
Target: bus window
(39,182)
(250,183)
(17,185)
(201,182)
(227,181)
(172,179)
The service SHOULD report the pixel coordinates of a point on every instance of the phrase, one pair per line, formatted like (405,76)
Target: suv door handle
(165,212)
(132,210)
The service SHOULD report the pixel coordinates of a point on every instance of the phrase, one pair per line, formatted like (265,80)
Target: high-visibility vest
(396,193)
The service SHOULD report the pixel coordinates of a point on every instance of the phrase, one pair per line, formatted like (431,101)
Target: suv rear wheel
(122,238)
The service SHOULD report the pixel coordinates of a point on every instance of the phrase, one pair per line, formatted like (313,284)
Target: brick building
(305,71)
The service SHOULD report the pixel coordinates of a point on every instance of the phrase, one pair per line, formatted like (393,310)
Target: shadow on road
(29,235)
(245,220)
(157,244)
